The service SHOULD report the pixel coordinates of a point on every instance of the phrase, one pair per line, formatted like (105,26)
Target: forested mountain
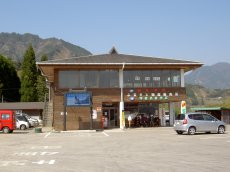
(209,86)
(9,81)
(14,45)
(216,76)
(200,96)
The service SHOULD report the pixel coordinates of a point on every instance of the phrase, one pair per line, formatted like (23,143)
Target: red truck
(7,121)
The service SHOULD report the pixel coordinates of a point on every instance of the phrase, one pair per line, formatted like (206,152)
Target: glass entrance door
(111,113)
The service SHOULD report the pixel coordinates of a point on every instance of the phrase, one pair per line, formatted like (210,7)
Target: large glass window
(156,78)
(104,79)
(89,79)
(128,79)
(151,78)
(147,78)
(166,78)
(137,80)
(109,79)
(114,79)
(176,78)
(133,79)
(69,79)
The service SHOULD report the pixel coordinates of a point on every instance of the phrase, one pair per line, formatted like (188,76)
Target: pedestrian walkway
(47,129)
(51,129)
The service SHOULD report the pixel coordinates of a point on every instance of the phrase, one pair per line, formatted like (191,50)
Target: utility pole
(64,115)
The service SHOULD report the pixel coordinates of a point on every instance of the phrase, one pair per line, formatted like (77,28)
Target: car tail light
(185,121)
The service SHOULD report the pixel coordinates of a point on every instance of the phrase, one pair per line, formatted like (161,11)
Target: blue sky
(197,30)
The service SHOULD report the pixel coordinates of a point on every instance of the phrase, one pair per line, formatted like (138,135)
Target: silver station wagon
(198,122)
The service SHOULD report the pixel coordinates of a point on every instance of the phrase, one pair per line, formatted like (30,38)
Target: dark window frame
(88,79)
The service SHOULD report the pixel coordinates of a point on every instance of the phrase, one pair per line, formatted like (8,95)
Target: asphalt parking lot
(144,149)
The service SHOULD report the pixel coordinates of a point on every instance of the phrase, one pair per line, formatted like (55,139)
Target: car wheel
(191,130)
(179,132)
(221,129)
(6,130)
(22,127)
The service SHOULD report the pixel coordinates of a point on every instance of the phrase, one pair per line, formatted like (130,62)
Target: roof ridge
(113,50)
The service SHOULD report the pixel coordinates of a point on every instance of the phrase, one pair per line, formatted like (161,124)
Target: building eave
(198,64)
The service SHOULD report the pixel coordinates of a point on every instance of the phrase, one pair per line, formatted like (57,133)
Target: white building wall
(171,113)
(182,78)
(121,107)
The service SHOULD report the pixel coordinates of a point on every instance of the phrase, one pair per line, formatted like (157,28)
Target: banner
(183,107)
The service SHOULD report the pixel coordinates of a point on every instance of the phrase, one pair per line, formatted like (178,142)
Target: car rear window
(180,117)
(196,116)
(190,116)
(22,118)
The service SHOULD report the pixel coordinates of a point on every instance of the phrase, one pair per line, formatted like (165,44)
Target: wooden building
(34,109)
(117,82)
(220,113)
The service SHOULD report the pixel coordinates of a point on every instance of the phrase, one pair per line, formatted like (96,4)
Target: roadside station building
(117,83)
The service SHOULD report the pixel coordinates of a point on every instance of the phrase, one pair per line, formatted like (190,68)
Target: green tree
(9,80)
(41,83)
(44,57)
(29,77)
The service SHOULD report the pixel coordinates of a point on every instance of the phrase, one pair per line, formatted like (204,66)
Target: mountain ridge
(216,76)
(13,45)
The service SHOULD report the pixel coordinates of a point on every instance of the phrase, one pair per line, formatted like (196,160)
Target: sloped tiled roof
(116,61)
(115,58)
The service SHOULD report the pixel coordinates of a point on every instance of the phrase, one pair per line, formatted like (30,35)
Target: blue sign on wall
(78,99)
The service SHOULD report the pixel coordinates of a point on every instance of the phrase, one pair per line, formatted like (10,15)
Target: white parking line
(214,138)
(50,162)
(46,147)
(34,153)
(47,135)
(105,133)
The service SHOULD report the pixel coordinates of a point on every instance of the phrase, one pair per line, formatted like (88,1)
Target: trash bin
(38,130)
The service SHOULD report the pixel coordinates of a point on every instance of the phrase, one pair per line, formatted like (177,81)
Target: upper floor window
(88,79)
(151,78)
(69,79)
(166,78)
(110,78)
(176,78)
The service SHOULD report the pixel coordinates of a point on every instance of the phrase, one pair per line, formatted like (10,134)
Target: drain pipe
(121,110)
(122,82)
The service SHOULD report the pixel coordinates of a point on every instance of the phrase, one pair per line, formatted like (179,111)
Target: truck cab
(7,121)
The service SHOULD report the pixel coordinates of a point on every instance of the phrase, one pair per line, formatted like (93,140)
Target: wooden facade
(79,117)
(109,98)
